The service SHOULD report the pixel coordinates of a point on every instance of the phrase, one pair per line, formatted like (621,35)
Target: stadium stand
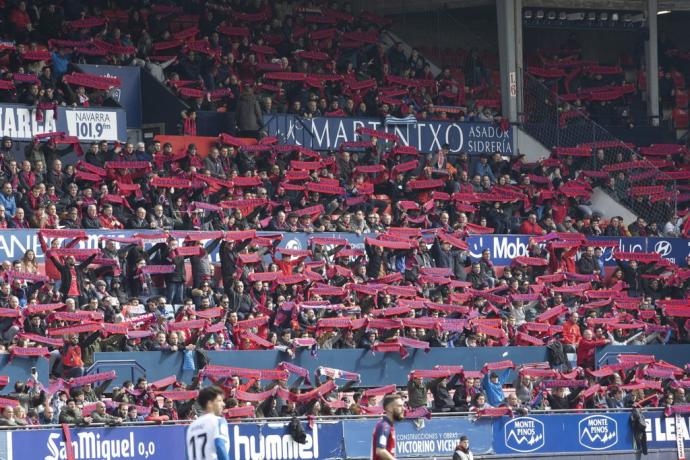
(149,247)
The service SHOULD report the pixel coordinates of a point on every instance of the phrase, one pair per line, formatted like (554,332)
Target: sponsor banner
(129,93)
(503,248)
(250,441)
(92,124)
(97,124)
(13,243)
(327,133)
(563,433)
(150,443)
(673,249)
(422,439)
(19,121)
(662,431)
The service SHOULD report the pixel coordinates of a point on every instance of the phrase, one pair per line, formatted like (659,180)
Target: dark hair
(208,394)
(389,399)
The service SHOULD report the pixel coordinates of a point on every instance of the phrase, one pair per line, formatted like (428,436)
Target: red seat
(681,99)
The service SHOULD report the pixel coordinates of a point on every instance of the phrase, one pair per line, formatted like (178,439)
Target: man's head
(393,407)
(465,442)
(211,400)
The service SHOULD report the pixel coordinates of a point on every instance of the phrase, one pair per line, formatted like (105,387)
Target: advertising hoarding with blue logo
(563,433)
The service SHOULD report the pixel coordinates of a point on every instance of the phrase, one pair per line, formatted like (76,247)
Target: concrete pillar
(652,62)
(505,13)
(519,59)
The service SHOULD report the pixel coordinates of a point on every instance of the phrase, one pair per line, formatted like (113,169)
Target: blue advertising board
(150,443)
(128,95)
(662,431)
(327,133)
(562,433)
(18,369)
(250,441)
(88,124)
(503,248)
(376,369)
(422,439)
(675,354)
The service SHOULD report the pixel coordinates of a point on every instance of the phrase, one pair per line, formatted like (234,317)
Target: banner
(128,95)
(432,438)
(151,443)
(96,124)
(323,441)
(327,133)
(662,430)
(19,121)
(88,124)
(503,248)
(572,433)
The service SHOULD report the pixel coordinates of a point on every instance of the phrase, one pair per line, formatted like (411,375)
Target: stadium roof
(402,6)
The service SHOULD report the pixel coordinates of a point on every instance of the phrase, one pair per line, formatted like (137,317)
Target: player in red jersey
(383,443)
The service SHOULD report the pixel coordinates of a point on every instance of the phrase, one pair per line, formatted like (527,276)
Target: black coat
(66,274)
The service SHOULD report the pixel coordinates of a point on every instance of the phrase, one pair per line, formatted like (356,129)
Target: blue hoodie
(494,391)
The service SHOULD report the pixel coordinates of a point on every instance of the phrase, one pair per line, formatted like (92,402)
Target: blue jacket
(494,391)
(483,170)
(60,64)
(9,203)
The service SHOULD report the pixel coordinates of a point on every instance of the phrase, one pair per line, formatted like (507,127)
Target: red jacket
(528,228)
(585,352)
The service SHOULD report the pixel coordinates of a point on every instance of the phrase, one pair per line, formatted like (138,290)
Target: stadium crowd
(406,290)
(299,58)
(414,285)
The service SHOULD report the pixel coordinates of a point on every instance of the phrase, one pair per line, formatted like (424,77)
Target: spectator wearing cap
(462,450)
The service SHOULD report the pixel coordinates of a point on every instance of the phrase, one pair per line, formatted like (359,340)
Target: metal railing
(330,418)
(131,364)
(556,123)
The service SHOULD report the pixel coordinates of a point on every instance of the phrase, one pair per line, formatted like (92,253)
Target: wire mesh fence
(580,143)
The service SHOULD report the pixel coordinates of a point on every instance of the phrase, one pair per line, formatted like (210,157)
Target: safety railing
(332,418)
(628,178)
